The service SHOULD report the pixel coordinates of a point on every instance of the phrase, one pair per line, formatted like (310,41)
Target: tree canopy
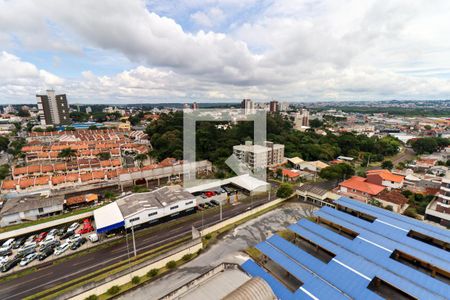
(337,172)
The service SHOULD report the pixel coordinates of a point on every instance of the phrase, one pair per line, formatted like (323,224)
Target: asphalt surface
(54,275)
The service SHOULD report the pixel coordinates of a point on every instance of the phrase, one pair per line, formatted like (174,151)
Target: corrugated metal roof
(358,260)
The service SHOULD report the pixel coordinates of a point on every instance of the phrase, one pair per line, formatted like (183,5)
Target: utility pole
(220,206)
(134,241)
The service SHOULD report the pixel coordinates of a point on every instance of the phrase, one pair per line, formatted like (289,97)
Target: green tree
(113,290)
(387,164)
(135,280)
(140,158)
(4,171)
(337,172)
(92,127)
(104,156)
(285,190)
(315,123)
(4,142)
(67,153)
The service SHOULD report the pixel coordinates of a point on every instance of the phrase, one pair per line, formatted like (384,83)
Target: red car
(87,227)
(209,194)
(41,237)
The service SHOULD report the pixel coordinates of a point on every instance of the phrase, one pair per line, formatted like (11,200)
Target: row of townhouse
(60,181)
(74,166)
(81,135)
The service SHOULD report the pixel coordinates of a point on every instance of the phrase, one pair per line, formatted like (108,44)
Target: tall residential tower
(53,109)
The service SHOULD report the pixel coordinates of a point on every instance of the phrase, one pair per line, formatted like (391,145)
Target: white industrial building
(141,208)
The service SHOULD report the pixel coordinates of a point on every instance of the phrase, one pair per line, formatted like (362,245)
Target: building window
(134,219)
(174,207)
(190,202)
(152,213)
(41,210)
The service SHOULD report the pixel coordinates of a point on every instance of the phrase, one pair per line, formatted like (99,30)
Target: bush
(113,290)
(410,212)
(208,236)
(92,297)
(171,264)
(389,207)
(152,273)
(135,280)
(187,257)
(285,190)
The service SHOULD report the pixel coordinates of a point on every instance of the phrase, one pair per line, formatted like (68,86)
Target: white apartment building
(258,156)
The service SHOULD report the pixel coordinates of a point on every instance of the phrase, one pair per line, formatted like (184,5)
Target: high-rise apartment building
(258,156)
(438,210)
(248,106)
(274,106)
(53,109)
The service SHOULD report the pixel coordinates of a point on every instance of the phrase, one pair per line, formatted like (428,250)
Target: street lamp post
(220,205)
(134,241)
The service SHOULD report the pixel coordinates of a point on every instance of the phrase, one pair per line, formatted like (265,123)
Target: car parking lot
(216,197)
(27,251)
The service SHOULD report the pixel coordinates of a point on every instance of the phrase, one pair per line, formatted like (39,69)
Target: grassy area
(146,279)
(48,219)
(106,272)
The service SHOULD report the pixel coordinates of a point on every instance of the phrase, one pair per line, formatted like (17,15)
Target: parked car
(46,253)
(87,227)
(203,196)
(207,205)
(8,244)
(221,191)
(77,244)
(61,249)
(202,205)
(10,264)
(215,202)
(67,234)
(93,237)
(27,259)
(73,226)
(210,194)
(41,237)
(19,242)
(3,260)
(73,238)
(199,207)
(52,232)
(50,244)
(5,252)
(61,231)
(27,249)
(31,239)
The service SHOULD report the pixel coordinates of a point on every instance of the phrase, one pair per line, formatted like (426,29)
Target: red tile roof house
(359,189)
(393,198)
(385,178)
(290,175)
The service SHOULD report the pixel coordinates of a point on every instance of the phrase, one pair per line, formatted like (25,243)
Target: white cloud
(294,50)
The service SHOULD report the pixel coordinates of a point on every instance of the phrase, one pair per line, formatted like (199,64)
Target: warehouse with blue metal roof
(356,251)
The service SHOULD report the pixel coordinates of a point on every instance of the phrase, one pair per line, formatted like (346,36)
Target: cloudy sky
(115,51)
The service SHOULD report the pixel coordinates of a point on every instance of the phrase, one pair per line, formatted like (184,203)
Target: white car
(73,238)
(93,237)
(48,240)
(8,244)
(73,226)
(27,259)
(52,232)
(3,260)
(61,249)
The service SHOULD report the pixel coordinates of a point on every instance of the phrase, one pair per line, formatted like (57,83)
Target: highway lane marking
(23,282)
(84,269)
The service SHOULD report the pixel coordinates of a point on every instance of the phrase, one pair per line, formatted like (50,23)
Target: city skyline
(224,51)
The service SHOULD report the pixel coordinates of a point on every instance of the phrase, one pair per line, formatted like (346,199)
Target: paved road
(56,274)
(407,154)
(228,249)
